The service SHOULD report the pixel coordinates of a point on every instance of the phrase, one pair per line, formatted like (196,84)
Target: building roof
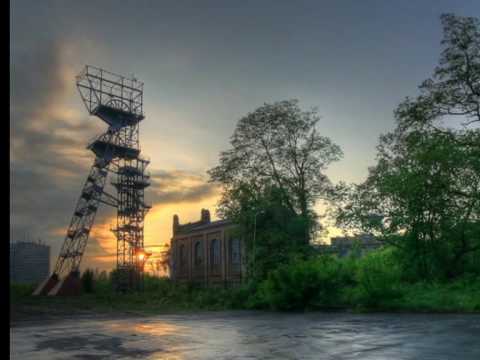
(212,225)
(199,226)
(362,239)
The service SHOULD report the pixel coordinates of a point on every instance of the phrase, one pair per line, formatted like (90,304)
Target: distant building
(206,252)
(344,245)
(29,262)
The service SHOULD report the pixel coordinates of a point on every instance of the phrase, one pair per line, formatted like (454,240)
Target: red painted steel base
(69,286)
(46,286)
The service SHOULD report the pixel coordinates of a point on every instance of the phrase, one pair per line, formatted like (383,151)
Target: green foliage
(20,291)
(378,277)
(372,282)
(88,281)
(314,283)
(272,232)
(375,281)
(423,195)
(461,295)
(453,92)
(305,284)
(277,146)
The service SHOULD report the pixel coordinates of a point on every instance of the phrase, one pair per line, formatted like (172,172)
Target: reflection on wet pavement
(254,335)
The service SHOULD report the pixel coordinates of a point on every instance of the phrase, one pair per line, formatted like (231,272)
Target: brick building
(206,252)
(344,245)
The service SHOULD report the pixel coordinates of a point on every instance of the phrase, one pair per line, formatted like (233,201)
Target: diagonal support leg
(69,259)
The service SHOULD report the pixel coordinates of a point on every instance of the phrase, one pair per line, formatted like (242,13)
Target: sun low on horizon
(157,232)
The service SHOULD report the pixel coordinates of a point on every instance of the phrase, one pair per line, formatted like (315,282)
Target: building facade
(29,262)
(345,245)
(206,252)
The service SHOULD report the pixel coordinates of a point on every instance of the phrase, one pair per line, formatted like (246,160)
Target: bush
(301,285)
(157,284)
(379,278)
(460,295)
(88,281)
(19,291)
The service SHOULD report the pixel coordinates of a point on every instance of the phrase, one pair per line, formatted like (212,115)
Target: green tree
(273,233)
(88,280)
(453,92)
(277,146)
(423,195)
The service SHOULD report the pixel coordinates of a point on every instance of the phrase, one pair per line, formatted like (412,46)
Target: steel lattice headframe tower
(118,101)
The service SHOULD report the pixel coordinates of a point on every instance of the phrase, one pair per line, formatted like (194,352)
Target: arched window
(183,258)
(235,255)
(215,255)
(198,254)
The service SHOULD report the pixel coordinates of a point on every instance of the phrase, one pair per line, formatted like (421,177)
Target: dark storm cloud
(45,177)
(48,157)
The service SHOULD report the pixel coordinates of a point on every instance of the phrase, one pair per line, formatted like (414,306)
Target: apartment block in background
(29,262)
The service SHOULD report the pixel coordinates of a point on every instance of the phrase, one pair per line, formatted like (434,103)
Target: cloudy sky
(205,64)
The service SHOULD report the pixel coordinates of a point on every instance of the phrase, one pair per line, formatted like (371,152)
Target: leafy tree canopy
(276,146)
(423,195)
(454,89)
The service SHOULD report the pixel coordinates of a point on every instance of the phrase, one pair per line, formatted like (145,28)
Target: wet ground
(252,335)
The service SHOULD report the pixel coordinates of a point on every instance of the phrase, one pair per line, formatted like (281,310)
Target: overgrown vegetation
(87,280)
(423,195)
(373,282)
(160,295)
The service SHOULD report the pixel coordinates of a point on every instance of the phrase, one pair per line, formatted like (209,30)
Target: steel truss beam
(119,102)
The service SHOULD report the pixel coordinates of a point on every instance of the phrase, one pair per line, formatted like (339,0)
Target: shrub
(379,278)
(303,284)
(21,291)
(88,281)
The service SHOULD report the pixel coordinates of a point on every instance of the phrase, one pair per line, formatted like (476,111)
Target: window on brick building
(198,253)
(215,254)
(235,251)
(183,258)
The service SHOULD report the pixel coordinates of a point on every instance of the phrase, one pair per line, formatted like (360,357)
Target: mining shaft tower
(118,101)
